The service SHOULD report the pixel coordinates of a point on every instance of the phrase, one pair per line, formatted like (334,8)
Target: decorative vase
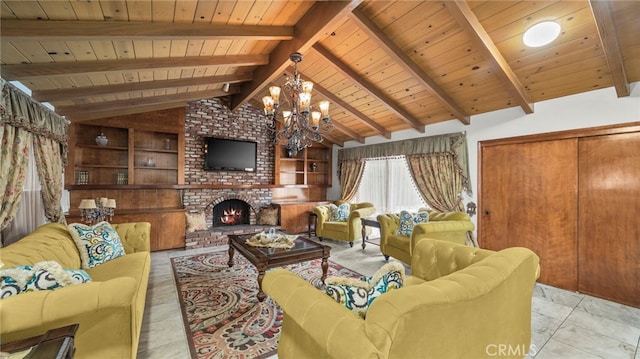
(167,144)
(102,140)
(149,162)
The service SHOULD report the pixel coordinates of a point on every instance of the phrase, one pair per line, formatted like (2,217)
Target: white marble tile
(604,326)
(542,328)
(159,333)
(557,295)
(593,343)
(167,351)
(558,350)
(550,309)
(615,311)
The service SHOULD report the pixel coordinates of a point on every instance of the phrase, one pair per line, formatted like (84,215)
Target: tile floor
(565,324)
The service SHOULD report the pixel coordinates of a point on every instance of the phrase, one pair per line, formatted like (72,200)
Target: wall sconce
(471,209)
(98,210)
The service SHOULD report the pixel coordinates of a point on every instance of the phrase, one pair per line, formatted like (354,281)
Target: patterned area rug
(223,318)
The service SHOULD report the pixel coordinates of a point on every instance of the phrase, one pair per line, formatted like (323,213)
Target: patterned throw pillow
(358,294)
(46,275)
(268,216)
(196,222)
(339,213)
(97,244)
(409,220)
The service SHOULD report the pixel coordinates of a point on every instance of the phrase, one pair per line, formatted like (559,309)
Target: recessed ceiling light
(541,33)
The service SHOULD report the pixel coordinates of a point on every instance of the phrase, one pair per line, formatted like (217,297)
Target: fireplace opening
(231,212)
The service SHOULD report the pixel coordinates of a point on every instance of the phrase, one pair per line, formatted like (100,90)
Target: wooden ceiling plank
(84,117)
(81,92)
(143,101)
(370,88)
(22,71)
(321,18)
(123,30)
(605,22)
(471,25)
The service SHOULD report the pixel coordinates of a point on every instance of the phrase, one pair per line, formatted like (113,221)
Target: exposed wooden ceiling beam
(369,87)
(124,30)
(350,109)
(25,71)
(142,101)
(90,116)
(605,22)
(471,25)
(84,92)
(400,57)
(334,140)
(322,18)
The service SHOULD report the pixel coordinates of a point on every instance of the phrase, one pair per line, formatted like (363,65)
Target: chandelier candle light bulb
(302,125)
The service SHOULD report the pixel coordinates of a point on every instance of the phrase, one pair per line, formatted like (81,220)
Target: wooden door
(528,198)
(609,236)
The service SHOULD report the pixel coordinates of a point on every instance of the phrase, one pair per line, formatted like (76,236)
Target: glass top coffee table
(264,258)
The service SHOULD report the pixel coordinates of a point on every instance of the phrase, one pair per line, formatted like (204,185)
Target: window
(387,183)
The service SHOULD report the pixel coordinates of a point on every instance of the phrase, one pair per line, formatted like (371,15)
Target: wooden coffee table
(266,258)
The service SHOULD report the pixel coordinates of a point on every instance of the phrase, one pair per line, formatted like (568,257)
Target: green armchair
(451,226)
(349,231)
(459,302)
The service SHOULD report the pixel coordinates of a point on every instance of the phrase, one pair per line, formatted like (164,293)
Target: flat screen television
(229,155)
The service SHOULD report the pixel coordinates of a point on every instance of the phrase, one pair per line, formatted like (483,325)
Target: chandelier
(301,124)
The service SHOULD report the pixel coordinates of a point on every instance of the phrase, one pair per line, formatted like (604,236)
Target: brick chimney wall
(214,118)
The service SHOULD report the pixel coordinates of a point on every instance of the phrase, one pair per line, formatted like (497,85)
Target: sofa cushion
(335,226)
(358,294)
(409,220)
(398,241)
(195,222)
(46,275)
(97,244)
(339,213)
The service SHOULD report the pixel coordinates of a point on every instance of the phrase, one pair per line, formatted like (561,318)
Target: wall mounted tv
(229,155)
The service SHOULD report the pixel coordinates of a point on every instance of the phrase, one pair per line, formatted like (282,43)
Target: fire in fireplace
(231,212)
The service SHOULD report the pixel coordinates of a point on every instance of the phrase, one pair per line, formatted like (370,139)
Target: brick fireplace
(213,118)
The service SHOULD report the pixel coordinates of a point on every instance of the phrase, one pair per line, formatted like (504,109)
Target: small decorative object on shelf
(82,177)
(314,166)
(122,178)
(97,210)
(167,144)
(102,140)
(149,162)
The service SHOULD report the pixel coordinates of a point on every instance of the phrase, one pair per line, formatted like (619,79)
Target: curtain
(14,155)
(350,176)
(439,180)
(21,119)
(454,144)
(48,158)
(388,185)
(30,213)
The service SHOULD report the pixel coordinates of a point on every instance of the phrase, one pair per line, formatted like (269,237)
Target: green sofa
(108,310)
(459,302)
(349,231)
(451,226)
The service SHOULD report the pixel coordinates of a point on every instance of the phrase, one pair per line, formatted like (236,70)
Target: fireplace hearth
(231,212)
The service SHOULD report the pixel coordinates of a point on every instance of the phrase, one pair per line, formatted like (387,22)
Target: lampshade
(111,203)
(87,204)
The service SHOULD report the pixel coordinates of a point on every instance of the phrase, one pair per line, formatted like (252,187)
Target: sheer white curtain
(30,212)
(387,184)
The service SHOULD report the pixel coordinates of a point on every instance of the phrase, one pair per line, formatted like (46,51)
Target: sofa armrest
(322,212)
(33,313)
(388,224)
(326,323)
(434,258)
(443,230)
(135,236)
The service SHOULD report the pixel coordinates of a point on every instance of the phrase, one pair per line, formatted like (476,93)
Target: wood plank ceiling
(385,66)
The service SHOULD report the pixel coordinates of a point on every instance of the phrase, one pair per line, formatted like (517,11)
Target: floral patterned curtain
(34,124)
(14,155)
(439,180)
(350,177)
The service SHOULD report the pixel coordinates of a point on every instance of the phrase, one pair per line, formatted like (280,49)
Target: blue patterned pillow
(47,275)
(97,244)
(409,220)
(358,294)
(339,213)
